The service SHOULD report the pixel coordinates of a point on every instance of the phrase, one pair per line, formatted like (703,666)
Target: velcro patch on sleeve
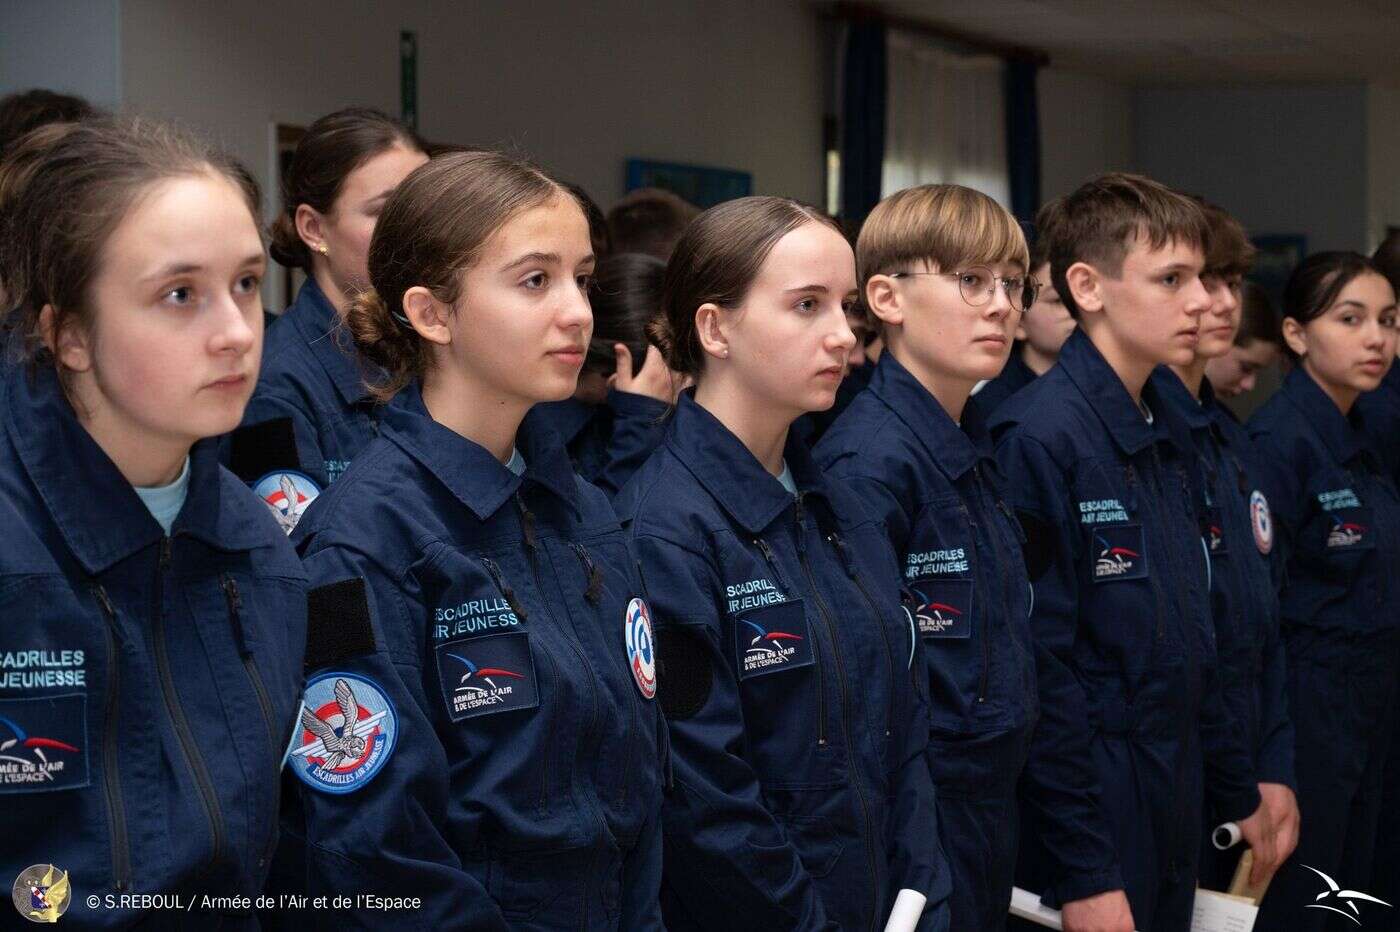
(684,674)
(337,623)
(1039,548)
(258,449)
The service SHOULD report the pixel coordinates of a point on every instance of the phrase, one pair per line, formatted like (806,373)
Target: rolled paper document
(1226,836)
(908,908)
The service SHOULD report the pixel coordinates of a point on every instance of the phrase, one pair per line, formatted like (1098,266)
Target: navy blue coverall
(939,495)
(1381,414)
(608,442)
(494,624)
(802,797)
(1337,519)
(1131,713)
(148,683)
(1243,594)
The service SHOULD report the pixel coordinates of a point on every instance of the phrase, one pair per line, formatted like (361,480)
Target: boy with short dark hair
(1100,473)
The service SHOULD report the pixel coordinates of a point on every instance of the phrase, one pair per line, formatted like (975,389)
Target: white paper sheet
(1216,912)
(908,907)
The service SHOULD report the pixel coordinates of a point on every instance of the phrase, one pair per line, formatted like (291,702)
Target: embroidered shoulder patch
(348,731)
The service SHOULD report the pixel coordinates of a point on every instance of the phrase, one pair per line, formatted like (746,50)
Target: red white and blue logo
(41,744)
(641,647)
(1214,532)
(773,639)
(942,607)
(348,730)
(483,675)
(1118,553)
(1345,533)
(287,494)
(1261,521)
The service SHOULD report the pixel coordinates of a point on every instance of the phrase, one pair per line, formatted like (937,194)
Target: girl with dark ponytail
(477,596)
(312,413)
(1333,515)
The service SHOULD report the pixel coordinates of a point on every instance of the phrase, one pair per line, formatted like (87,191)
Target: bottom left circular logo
(348,729)
(41,893)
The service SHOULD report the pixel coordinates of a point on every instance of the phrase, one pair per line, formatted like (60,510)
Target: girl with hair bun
(312,413)
(794,689)
(1333,514)
(474,594)
(146,595)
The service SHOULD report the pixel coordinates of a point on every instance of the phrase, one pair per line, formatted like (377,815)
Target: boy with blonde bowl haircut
(943,272)
(1132,722)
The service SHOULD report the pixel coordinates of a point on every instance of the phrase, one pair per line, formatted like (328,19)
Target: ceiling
(1168,41)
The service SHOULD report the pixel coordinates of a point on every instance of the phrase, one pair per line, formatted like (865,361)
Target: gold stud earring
(323,250)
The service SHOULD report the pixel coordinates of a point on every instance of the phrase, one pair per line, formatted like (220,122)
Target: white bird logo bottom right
(1335,894)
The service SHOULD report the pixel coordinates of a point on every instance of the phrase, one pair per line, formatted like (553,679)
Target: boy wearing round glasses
(943,271)
(1133,731)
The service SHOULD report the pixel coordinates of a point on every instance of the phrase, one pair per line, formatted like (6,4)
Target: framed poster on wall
(1278,255)
(701,185)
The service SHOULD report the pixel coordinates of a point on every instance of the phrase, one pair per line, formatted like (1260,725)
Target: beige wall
(1086,129)
(1382,158)
(733,83)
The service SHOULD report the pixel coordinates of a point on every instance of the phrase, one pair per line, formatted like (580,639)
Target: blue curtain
(862,119)
(1022,138)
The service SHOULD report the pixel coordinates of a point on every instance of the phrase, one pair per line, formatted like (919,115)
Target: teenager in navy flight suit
(1336,518)
(474,602)
(154,615)
(1381,414)
(311,413)
(1043,329)
(1099,470)
(615,418)
(943,269)
(793,682)
(1243,563)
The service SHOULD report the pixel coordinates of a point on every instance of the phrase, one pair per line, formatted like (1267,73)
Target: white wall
(1282,158)
(72,46)
(1086,129)
(724,82)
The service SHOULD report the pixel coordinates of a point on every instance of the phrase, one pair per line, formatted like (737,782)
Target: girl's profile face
(1351,345)
(346,230)
(789,340)
(1237,372)
(522,322)
(175,334)
(1047,323)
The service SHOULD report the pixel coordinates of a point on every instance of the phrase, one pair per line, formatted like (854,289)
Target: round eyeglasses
(977,286)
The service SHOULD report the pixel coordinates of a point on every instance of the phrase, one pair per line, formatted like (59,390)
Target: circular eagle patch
(348,729)
(287,493)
